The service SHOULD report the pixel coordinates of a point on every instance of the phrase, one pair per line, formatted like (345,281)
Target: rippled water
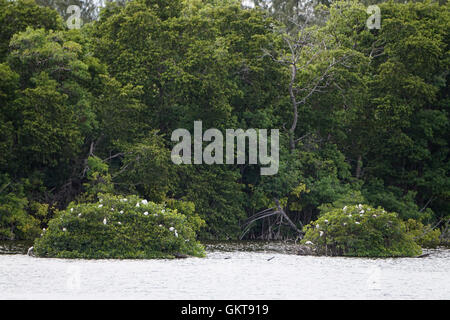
(260,274)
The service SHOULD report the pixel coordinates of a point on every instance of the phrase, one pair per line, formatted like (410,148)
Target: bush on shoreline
(122,228)
(424,236)
(361,231)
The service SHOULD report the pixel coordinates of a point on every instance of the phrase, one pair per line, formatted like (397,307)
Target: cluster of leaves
(395,124)
(15,222)
(92,110)
(361,231)
(124,228)
(387,115)
(425,236)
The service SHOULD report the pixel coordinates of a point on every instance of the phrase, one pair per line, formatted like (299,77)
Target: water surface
(228,274)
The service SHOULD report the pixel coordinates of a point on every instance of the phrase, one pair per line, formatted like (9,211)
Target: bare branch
(120,154)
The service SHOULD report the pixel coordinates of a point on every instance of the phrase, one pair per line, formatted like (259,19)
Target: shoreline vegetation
(86,117)
(259,246)
(132,228)
(122,228)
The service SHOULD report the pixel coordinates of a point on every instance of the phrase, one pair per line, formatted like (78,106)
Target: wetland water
(256,271)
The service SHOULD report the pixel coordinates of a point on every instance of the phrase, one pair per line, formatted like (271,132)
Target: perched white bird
(146,213)
(321,233)
(71,209)
(345,208)
(171,228)
(64,229)
(326,221)
(308,243)
(119,222)
(176,233)
(121,211)
(144,201)
(100,205)
(356,222)
(104,221)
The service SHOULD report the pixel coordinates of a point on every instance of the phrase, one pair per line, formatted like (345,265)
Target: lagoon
(244,271)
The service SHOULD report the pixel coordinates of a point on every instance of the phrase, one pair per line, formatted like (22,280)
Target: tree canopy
(363,113)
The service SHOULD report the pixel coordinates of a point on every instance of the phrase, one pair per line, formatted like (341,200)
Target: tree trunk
(358,167)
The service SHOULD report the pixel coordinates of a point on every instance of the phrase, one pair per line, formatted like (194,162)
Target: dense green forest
(363,113)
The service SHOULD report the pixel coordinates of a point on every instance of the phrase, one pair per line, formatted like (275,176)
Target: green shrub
(445,236)
(425,236)
(361,231)
(119,227)
(15,222)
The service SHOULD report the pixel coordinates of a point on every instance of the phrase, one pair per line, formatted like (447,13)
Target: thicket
(92,110)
